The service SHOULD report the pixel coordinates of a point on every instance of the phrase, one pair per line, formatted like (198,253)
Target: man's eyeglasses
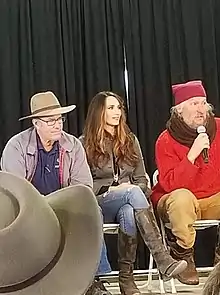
(52,122)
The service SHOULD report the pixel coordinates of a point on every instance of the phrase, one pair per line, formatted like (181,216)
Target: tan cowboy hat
(48,245)
(45,104)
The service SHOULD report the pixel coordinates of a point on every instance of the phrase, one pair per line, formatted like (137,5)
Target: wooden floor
(181,289)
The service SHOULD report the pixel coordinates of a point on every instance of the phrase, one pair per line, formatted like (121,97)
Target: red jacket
(176,171)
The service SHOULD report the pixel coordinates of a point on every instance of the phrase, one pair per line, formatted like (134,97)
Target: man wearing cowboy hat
(50,158)
(44,241)
(187,157)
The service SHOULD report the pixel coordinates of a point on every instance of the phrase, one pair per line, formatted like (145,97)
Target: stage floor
(181,289)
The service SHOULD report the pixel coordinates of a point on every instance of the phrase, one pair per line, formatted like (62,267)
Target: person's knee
(182,212)
(182,198)
(187,240)
(138,197)
(136,190)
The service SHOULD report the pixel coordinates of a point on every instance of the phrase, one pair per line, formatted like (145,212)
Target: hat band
(53,107)
(41,274)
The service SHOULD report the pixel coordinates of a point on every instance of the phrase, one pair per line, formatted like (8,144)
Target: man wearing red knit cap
(188,160)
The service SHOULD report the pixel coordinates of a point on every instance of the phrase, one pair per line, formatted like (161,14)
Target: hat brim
(80,217)
(48,113)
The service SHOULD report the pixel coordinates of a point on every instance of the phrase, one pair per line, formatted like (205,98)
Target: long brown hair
(97,139)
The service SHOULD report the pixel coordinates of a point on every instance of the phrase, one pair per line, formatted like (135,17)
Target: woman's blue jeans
(118,206)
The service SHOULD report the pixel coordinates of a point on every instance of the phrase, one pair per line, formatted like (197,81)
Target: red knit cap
(182,92)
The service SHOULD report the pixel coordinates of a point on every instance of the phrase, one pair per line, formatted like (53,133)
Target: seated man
(49,157)
(187,157)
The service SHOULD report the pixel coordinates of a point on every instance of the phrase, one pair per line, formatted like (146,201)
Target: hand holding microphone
(200,145)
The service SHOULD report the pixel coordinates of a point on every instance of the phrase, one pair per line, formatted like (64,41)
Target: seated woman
(120,184)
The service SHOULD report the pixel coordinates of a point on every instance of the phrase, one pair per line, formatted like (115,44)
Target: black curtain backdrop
(76,48)
(168,42)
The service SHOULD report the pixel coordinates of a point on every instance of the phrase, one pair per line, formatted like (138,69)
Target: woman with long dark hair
(120,184)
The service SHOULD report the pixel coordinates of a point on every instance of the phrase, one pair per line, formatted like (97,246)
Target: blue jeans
(118,206)
(104,265)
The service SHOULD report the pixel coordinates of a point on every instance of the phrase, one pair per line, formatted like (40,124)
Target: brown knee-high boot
(150,233)
(189,276)
(127,246)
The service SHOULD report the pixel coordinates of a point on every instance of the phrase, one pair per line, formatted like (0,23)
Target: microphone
(202,129)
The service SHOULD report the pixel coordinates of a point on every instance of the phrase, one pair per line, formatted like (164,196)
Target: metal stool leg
(173,287)
(149,276)
(162,289)
(172,282)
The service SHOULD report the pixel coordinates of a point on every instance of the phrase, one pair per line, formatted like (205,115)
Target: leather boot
(127,246)
(189,276)
(150,233)
(97,288)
